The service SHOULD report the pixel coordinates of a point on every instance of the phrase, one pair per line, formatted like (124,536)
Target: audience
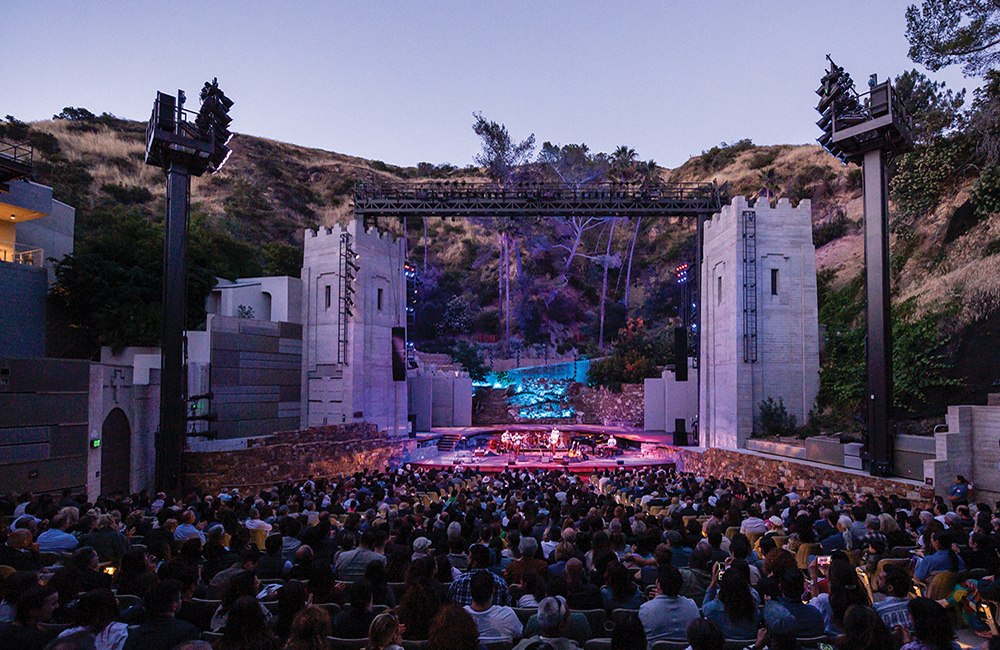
(448,553)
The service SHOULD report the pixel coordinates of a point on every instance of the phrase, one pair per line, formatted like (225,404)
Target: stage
(469,447)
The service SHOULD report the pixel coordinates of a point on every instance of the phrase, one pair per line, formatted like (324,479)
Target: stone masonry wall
(602,406)
(762,471)
(319,451)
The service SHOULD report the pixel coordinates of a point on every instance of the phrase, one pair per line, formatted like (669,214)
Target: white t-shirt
(497,623)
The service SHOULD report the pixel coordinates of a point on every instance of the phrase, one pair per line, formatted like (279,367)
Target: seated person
(668,614)
(494,622)
(808,619)
(353,622)
(553,620)
(163,630)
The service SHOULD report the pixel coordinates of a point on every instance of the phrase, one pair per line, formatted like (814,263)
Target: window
(774,282)
(718,294)
(379,298)
(327,296)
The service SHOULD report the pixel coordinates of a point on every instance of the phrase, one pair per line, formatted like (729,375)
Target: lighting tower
(182,148)
(869,129)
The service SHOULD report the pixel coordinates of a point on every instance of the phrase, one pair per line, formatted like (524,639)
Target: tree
(945,32)
(501,156)
(623,163)
(606,263)
(935,109)
(633,357)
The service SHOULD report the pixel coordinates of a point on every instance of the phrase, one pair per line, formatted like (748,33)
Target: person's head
(479,557)
(553,614)
(79,640)
(17,583)
(361,596)
(241,585)
(245,623)
(670,580)
(164,598)
(272,545)
(629,634)
(931,623)
(528,546)
(96,609)
(36,605)
(19,539)
(453,628)
(85,558)
(896,581)
(574,571)
(383,631)
(792,584)
(734,592)
(481,587)
(864,629)
(703,634)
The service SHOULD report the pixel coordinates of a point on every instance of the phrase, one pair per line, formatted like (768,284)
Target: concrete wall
(277,299)
(439,399)
(254,374)
(787,347)
(969,447)
(665,400)
(43,424)
(359,387)
(22,310)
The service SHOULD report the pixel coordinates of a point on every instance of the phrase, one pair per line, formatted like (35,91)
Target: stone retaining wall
(319,451)
(764,471)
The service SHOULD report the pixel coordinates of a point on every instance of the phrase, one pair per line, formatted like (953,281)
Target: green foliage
(985,193)
(926,173)
(946,32)
(282,259)
(935,109)
(836,228)
(75,114)
(127,194)
(501,155)
(918,364)
(45,143)
(457,318)
(761,159)
(855,179)
(69,179)
(773,419)
(14,130)
(470,359)
(723,154)
(633,356)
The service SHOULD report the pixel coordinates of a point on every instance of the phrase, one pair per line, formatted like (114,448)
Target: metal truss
(461,199)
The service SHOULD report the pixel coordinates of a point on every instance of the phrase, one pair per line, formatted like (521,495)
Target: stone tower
(759,315)
(354,294)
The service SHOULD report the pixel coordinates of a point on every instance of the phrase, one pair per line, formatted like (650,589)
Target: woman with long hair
(136,574)
(733,607)
(309,629)
(845,591)
(385,633)
(376,574)
(932,629)
(417,608)
(242,585)
(292,597)
(864,629)
(453,629)
(619,591)
(246,628)
(629,634)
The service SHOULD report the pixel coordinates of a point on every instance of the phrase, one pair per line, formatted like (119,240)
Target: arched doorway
(116,453)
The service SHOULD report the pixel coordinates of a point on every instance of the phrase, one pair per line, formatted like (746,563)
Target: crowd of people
(460,560)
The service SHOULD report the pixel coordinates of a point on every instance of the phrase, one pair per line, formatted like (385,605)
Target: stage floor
(494,463)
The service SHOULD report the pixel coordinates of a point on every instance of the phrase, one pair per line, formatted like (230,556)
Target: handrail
(20,254)
(20,152)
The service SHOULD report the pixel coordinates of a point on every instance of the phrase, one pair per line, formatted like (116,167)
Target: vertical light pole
(869,130)
(181,148)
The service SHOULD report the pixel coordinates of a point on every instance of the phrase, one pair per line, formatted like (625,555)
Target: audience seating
(127,600)
(597,644)
(211,637)
(668,645)
(333,643)
(595,618)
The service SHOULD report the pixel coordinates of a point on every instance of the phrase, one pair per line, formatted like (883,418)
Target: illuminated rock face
(759,315)
(354,384)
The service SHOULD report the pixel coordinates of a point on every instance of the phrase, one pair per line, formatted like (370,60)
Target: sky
(400,81)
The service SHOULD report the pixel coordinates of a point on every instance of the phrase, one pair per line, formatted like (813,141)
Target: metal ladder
(749,286)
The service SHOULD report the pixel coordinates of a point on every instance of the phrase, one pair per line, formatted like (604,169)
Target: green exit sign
(95,443)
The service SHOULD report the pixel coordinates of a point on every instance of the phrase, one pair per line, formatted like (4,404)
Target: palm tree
(622,162)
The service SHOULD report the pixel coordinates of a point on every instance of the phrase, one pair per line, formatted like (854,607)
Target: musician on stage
(515,442)
(505,441)
(612,446)
(554,438)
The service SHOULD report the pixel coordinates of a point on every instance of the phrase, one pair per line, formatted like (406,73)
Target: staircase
(446,443)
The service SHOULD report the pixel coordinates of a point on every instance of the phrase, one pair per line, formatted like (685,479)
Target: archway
(116,453)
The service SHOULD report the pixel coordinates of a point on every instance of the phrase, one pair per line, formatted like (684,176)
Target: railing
(20,254)
(19,152)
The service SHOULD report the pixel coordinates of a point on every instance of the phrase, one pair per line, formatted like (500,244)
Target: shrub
(761,159)
(986,192)
(836,228)
(126,194)
(773,419)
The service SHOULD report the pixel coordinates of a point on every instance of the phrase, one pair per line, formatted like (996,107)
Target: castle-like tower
(759,315)
(354,295)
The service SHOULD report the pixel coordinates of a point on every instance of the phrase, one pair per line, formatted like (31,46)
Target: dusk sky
(399,81)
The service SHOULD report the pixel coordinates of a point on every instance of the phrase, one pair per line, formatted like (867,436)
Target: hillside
(945,263)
